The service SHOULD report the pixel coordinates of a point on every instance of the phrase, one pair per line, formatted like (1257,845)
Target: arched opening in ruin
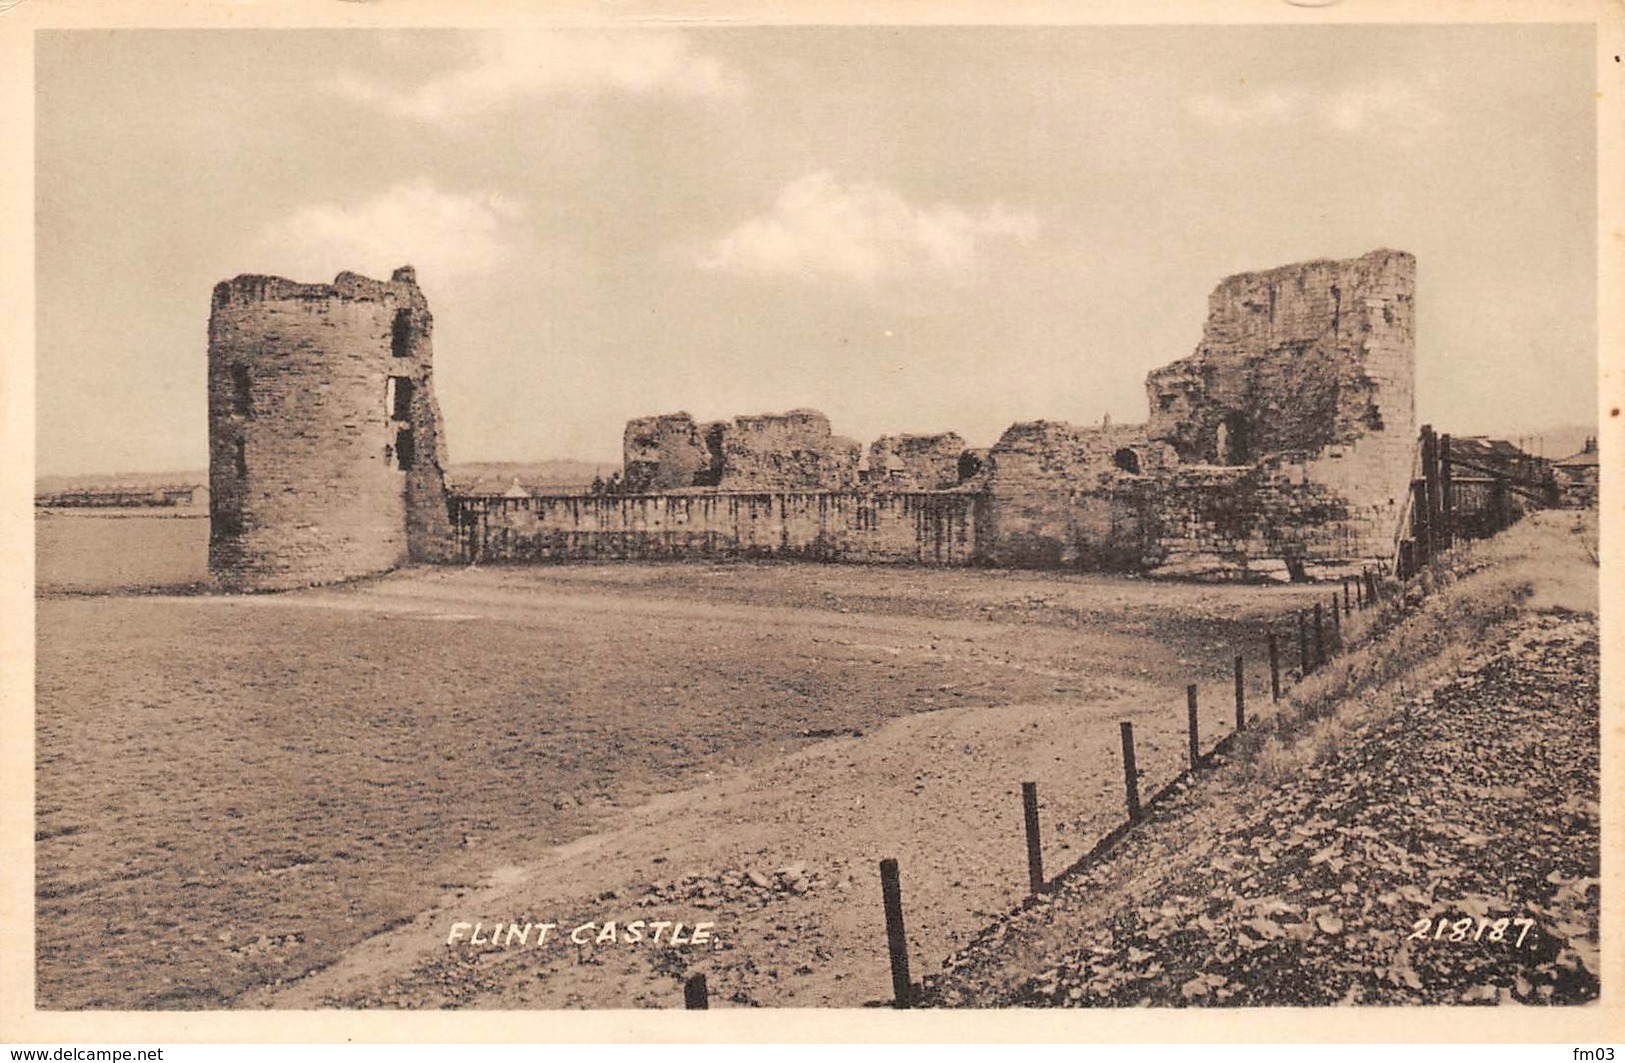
(1235,441)
(970,466)
(1127,460)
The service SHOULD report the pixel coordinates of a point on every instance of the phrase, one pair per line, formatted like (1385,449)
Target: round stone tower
(325,452)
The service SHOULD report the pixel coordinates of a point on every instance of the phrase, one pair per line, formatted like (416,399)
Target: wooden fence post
(891,893)
(1320,638)
(1303,645)
(1371,595)
(1447,499)
(695,995)
(1348,608)
(1241,695)
(1035,845)
(1421,535)
(1131,775)
(1337,625)
(1190,726)
(1275,667)
(1430,474)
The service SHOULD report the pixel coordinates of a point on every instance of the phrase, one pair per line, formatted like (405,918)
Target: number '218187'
(1461,929)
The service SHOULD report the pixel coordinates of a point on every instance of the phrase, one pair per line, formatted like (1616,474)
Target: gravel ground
(234,792)
(1408,867)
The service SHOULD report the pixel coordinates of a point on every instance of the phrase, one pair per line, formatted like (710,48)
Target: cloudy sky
(912,229)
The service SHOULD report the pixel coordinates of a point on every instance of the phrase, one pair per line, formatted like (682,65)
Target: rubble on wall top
(1381,254)
(800,415)
(260,287)
(1124,430)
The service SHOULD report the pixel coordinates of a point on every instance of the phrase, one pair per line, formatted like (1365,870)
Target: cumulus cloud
(1344,110)
(446,235)
(513,66)
(864,233)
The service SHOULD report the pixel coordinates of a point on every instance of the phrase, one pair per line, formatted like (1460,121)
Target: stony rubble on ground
(748,887)
(1381,875)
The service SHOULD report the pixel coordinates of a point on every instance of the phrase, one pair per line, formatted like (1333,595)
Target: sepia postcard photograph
(1083,523)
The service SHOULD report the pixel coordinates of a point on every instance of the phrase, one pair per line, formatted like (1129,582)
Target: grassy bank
(1418,824)
(1425,630)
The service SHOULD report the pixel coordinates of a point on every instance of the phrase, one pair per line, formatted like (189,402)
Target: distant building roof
(1484,447)
(1587,456)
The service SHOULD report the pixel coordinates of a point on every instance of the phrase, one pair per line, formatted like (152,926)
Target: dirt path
(940,791)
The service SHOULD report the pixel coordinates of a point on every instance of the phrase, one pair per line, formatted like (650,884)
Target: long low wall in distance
(912,527)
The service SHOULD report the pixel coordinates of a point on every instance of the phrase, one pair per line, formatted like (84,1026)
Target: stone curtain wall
(1057,499)
(304,477)
(1284,444)
(924,527)
(1208,523)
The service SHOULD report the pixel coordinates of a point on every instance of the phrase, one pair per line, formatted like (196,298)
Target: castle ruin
(325,449)
(1283,447)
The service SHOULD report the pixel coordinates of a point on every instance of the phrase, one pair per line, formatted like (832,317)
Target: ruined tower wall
(1064,496)
(308,432)
(1297,359)
(1309,369)
(667,452)
(429,532)
(793,451)
(1245,523)
(916,462)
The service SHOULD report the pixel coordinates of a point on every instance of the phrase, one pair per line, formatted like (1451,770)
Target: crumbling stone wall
(429,531)
(1283,446)
(1244,523)
(667,452)
(1060,495)
(913,527)
(915,462)
(1312,364)
(1297,358)
(325,449)
(795,451)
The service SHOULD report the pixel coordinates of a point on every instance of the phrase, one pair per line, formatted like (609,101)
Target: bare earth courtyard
(281,800)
